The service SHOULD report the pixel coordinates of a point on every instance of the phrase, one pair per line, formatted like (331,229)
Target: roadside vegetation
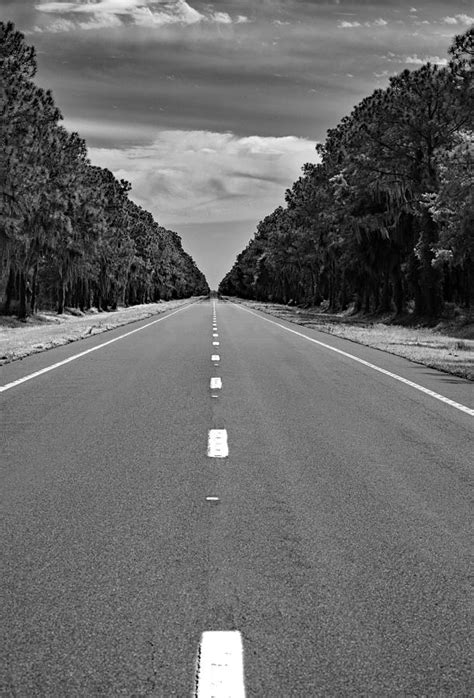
(384,224)
(70,237)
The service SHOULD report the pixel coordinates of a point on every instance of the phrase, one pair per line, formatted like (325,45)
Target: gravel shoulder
(448,348)
(46,330)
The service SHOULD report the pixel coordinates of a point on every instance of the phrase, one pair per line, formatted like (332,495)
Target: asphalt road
(339,547)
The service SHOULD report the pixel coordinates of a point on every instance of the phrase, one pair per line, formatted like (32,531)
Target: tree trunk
(61,297)
(467,286)
(9,291)
(366,300)
(385,304)
(22,312)
(430,277)
(34,290)
(397,289)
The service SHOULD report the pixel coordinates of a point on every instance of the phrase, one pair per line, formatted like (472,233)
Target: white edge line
(432,393)
(220,667)
(3,388)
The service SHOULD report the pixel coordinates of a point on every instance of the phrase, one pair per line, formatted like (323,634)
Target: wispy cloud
(208,176)
(415,59)
(459,19)
(221,17)
(115,13)
(344,24)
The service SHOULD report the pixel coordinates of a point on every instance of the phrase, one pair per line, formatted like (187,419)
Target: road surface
(332,539)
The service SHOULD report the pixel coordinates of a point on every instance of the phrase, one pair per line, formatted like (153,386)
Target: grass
(439,347)
(46,330)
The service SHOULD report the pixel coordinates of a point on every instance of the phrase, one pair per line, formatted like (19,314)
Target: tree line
(385,221)
(69,234)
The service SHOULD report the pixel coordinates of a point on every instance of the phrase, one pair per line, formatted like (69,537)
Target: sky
(210,109)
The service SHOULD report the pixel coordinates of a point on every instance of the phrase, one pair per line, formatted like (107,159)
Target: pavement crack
(152,679)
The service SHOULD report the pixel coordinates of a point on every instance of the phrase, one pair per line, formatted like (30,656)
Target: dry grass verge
(440,348)
(47,329)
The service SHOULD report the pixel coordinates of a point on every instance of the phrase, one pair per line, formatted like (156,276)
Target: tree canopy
(385,220)
(69,234)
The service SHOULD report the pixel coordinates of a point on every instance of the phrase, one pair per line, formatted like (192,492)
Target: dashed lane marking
(30,376)
(215,344)
(212,499)
(217,446)
(220,670)
(215,357)
(395,376)
(216,383)
(215,334)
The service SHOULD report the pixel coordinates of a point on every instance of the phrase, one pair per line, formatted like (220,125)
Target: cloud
(88,7)
(100,20)
(415,59)
(58,25)
(344,24)
(115,13)
(208,176)
(459,19)
(221,17)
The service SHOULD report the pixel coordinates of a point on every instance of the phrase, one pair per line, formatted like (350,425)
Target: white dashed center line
(220,671)
(215,357)
(216,383)
(217,443)
(215,344)
(215,334)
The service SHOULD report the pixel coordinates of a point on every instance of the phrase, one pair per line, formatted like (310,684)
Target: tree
(378,220)
(69,234)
